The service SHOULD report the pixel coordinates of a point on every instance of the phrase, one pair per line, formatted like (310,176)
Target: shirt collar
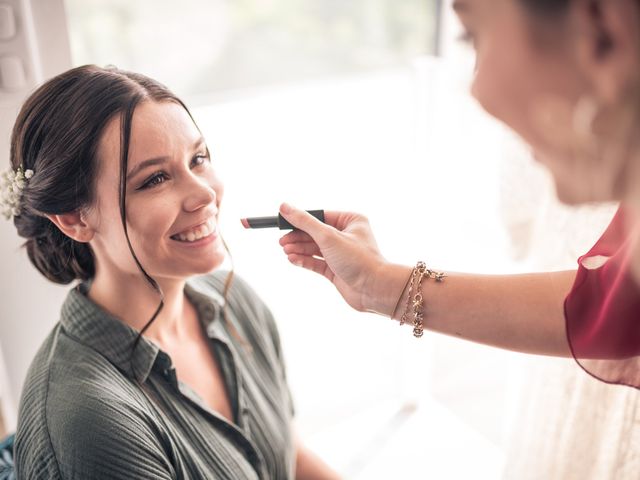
(91,325)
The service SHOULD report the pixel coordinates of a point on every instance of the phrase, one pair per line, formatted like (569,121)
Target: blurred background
(338,104)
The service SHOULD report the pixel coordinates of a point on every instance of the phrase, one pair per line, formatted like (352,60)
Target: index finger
(340,220)
(295,236)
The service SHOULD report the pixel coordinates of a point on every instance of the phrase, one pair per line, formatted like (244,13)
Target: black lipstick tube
(277,222)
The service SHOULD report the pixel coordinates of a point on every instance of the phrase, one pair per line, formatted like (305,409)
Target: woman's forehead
(157,129)
(164,120)
(473,8)
(465,6)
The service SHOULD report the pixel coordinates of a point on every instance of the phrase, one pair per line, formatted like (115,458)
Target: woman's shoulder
(69,390)
(65,375)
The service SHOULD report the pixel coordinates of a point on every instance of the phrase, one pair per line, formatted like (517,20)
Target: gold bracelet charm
(414,274)
(415,297)
(418,328)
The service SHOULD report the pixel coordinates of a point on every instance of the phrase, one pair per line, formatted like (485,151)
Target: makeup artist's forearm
(311,467)
(523,312)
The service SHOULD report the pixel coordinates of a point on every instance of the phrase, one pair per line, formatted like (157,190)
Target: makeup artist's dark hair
(56,135)
(546,6)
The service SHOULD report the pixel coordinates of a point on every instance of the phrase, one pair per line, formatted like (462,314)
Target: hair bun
(30,225)
(58,257)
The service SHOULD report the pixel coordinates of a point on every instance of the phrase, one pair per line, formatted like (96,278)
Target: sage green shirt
(84,416)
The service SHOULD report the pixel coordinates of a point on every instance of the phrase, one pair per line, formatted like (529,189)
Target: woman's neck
(134,301)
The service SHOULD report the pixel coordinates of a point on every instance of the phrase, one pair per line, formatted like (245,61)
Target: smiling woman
(124,197)
(171,188)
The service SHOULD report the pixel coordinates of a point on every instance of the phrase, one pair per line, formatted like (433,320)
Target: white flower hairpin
(11,186)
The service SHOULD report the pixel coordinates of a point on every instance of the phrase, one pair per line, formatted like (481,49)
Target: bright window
(203,46)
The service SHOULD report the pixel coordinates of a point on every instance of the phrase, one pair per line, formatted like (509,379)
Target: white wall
(26,314)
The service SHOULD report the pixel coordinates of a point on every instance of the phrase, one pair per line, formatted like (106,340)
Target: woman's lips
(196,233)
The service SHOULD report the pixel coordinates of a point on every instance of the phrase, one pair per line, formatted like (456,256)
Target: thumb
(304,221)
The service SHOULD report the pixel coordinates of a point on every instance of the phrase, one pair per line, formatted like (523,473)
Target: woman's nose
(198,194)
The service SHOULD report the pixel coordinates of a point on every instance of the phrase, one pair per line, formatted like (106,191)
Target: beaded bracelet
(414,296)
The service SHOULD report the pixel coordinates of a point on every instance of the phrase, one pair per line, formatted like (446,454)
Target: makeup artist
(565,75)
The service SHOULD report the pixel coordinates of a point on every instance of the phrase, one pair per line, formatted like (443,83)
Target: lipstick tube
(276,222)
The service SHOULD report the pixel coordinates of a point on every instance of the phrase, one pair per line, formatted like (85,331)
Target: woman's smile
(200,235)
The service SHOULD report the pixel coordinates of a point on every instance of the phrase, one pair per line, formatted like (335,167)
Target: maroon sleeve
(602,310)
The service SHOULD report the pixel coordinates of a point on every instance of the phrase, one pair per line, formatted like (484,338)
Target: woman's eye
(467,38)
(200,159)
(156,179)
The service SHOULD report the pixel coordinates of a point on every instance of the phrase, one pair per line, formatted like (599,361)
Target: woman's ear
(608,45)
(73,225)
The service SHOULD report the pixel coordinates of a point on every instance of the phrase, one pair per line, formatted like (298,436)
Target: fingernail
(285,208)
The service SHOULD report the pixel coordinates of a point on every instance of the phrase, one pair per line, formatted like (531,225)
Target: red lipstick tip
(245,222)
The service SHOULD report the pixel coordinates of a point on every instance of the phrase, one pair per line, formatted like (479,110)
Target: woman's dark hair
(56,135)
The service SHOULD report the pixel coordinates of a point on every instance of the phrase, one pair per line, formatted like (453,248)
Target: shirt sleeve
(601,310)
(99,438)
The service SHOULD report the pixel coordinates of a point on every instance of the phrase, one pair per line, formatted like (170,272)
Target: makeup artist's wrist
(386,286)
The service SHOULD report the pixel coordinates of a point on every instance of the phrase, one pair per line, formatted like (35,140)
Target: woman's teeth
(197,233)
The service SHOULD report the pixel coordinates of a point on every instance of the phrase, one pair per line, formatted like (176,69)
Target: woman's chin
(208,265)
(573,194)
(568,197)
(199,265)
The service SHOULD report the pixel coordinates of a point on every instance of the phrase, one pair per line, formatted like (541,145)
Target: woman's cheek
(501,95)
(218,187)
(481,90)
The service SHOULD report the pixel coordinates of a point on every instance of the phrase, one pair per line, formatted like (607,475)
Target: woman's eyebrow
(460,6)
(199,143)
(158,160)
(144,164)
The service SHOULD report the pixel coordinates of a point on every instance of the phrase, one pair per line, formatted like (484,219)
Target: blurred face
(528,75)
(173,197)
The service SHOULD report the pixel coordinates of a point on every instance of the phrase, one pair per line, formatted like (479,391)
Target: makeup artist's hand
(344,250)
